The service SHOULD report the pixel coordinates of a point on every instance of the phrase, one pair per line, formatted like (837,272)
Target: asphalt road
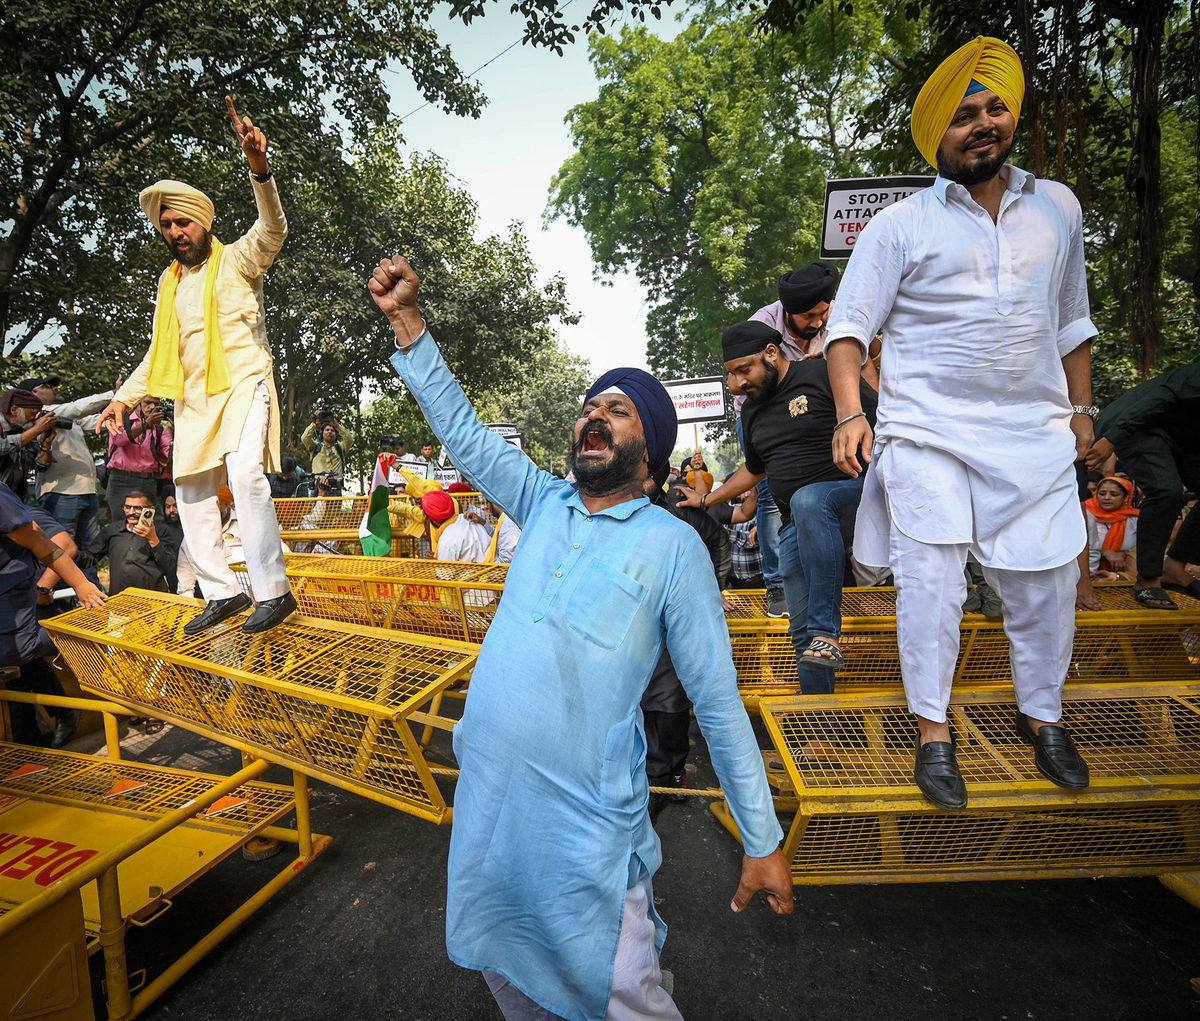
(359,935)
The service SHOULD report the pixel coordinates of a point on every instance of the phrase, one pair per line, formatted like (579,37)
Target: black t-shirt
(789,435)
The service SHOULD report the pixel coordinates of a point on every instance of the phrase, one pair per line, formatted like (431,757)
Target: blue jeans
(80,515)
(768,520)
(812,563)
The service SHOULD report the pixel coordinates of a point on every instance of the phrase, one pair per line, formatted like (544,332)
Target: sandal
(1192,588)
(155,726)
(823,653)
(1154,599)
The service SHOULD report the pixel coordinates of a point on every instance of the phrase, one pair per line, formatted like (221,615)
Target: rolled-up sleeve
(1075,325)
(869,285)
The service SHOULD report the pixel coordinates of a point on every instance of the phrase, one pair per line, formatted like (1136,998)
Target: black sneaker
(990,605)
(777,603)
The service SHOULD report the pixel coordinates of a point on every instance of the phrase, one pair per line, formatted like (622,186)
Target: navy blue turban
(654,407)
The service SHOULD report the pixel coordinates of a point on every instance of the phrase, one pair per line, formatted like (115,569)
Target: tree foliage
(98,99)
(701,164)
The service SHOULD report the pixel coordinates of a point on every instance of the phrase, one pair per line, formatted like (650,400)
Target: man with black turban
(799,317)
(552,851)
(788,421)
(985,404)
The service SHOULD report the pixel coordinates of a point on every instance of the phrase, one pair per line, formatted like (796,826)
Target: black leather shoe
(64,728)
(270,613)
(938,777)
(1055,754)
(216,611)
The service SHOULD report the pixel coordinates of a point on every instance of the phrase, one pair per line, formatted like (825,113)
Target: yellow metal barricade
(860,817)
(331,700)
(1123,642)
(443,599)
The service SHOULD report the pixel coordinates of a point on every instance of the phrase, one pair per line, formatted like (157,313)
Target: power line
(510,46)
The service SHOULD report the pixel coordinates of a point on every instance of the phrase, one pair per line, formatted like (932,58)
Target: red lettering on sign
(64,865)
(9,841)
(31,861)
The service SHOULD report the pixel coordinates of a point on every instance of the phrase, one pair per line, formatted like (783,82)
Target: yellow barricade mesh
(443,599)
(1120,643)
(344,513)
(328,699)
(861,818)
(87,781)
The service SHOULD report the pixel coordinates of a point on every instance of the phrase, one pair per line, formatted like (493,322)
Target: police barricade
(860,818)
(1120,643)
(443,598)
(331,700)
(335,520)
(89,846)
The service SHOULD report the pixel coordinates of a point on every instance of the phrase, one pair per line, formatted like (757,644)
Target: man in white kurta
(978,284)
(226,430)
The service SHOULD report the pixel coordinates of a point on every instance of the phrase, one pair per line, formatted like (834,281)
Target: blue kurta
(550,821)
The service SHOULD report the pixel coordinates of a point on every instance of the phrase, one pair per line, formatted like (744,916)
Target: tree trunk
(1149,23)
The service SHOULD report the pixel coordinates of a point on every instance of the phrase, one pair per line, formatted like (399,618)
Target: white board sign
(698,400)
(851,202)
(509,431)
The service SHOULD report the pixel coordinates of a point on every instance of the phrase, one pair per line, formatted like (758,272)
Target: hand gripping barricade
(331,700)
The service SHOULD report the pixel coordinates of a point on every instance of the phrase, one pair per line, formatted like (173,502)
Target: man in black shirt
(138,556)
(789,421)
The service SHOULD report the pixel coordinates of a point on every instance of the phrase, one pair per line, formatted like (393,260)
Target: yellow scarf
(166,367)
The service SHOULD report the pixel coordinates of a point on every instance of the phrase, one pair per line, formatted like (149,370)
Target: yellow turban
(991,62)
(183,198)
(166,368)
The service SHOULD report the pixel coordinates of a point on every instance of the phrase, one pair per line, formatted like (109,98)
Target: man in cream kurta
(226,407)
(978,284)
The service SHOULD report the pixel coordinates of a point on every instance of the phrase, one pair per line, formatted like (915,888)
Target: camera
(324,416)
(62,423)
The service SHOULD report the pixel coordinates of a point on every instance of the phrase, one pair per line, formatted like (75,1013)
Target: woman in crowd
(1112,530)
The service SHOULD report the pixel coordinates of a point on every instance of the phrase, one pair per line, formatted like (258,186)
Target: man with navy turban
(552,852)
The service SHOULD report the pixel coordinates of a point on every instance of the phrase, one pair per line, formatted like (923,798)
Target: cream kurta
(209,426)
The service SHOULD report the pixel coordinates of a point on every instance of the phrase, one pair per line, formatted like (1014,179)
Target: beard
(803,332)
(968,170)
(192,256)
(618,472)
(768,386)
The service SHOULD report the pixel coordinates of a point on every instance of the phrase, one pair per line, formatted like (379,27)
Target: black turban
(807,286)
(743,339)
(654,406)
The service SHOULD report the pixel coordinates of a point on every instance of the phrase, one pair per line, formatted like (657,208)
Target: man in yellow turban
(985,405)
(209,355)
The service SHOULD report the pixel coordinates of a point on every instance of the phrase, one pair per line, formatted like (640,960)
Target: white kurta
(209,426)
(976,317)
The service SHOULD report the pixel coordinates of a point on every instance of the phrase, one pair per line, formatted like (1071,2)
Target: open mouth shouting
(595,441)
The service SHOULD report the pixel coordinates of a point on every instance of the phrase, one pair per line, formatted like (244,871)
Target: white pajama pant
(200,514)
(637,993)
(1039,619)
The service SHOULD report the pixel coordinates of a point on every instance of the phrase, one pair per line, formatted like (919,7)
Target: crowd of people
(925,420)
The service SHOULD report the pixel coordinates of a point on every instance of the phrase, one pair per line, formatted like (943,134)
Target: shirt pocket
(604,604)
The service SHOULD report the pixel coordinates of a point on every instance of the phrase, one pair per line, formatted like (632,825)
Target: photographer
(331,450)
(138,556)
(25,445)
(67,489)
(138,455)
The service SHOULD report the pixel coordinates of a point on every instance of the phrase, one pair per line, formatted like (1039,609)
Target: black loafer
(270,613)
(938,777)
(216,611)
(1055,754)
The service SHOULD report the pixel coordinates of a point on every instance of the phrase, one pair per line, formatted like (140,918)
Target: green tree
(98,99)
(701,165)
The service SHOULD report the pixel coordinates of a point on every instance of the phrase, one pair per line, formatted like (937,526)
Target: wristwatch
(264,177)
(1085,409)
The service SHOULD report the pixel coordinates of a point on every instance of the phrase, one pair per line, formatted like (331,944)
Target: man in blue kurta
(552,849)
